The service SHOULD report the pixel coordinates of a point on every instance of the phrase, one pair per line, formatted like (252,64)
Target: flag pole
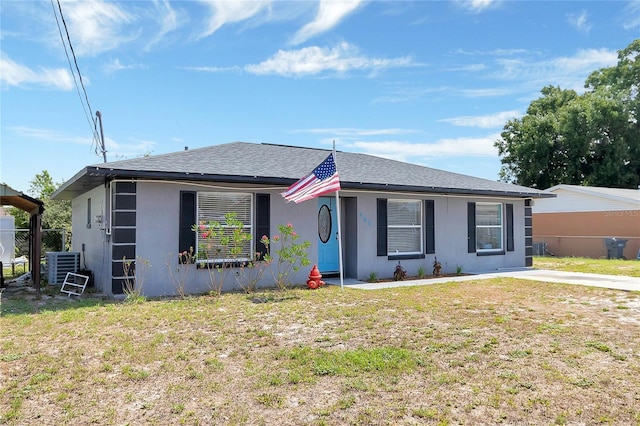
(338,218)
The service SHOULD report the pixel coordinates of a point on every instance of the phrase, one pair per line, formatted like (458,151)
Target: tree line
(590,139)
(57,213)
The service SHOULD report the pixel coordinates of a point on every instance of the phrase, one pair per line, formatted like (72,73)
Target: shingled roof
(269,164)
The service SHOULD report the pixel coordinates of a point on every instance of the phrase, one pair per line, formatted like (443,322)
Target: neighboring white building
(7,238)
(581,219)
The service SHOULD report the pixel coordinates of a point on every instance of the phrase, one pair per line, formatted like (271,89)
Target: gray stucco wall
(158,208)
(450,238)
(157,233)
(94,238)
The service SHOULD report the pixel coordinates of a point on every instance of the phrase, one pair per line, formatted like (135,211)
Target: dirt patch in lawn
(477,352)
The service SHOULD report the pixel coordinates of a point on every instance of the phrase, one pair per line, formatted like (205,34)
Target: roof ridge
(294,146)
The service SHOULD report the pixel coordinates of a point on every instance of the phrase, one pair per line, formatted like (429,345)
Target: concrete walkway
(616,282)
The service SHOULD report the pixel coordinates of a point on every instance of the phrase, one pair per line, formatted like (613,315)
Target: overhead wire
(91,121)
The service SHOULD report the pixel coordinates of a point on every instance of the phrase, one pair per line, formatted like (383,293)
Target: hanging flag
(322,180)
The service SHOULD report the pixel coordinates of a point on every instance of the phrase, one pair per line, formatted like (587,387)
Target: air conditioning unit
(59,263)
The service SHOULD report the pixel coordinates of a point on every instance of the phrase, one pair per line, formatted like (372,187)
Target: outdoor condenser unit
(59,263)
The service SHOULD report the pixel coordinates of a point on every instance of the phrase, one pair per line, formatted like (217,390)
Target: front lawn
(629,268)
(481,352)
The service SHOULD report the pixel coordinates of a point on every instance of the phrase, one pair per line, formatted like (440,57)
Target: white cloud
(494,52)
(580,21)
(115,65)
(344,131)
(214,69)
(586,60)
(314,60)
(483,121)
(568,72)
(50,136)
(170,20)
(631,15)
(330,13)
(467,68)
(14,74)
(476,5)
(400,93)
(225,12)
(96,26)
(415,152)
(485,93)
(136,147)
(412,152)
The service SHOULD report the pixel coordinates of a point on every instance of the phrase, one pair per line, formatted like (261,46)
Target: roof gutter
(109,173)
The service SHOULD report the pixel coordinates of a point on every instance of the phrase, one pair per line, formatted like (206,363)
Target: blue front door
(328,254)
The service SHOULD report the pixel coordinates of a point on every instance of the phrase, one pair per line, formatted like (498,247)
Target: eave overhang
(93,176)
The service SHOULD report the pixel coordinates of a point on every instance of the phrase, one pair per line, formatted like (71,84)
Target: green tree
(532,147)
(588,139)
(57,213)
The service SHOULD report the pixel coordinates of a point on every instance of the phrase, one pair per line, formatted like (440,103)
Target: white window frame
(419,226)
(219,216)
(499,227)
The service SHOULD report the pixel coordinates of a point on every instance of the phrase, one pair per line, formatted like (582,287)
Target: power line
(92,123)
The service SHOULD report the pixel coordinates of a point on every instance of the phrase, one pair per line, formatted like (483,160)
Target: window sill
(216,264)
(405,256)
(491,253)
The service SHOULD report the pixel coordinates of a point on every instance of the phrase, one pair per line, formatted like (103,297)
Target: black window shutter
(186,234)
(510,243)
(430,227)
(471,227)
(382,226)
(263,221)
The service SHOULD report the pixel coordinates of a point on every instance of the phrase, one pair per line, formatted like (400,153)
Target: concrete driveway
(616,282)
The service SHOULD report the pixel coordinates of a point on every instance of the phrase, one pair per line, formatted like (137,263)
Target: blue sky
(428,82)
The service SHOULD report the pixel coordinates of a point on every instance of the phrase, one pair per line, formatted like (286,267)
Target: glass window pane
(404,212)
(488,214)
(489,238)
(404,240)
(212,207)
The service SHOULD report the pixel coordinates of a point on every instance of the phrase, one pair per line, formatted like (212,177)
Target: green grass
(487,351)
(629,268)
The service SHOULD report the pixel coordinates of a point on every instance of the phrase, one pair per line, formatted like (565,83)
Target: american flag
(322,180)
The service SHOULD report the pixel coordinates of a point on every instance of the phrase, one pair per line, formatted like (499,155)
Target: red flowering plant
(291,255)
(222,246)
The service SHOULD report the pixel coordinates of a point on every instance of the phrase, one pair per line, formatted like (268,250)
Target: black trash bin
(615,247)
(89,274)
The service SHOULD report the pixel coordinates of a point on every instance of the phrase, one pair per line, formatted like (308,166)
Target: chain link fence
(17,240)
(52,240)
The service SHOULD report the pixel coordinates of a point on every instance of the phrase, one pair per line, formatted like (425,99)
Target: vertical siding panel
(186,235)
(471,227)
(430,228)
(263,221)
(382,226)
(510,242)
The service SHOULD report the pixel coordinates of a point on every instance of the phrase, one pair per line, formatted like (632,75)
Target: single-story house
(391,211)
(583,220)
